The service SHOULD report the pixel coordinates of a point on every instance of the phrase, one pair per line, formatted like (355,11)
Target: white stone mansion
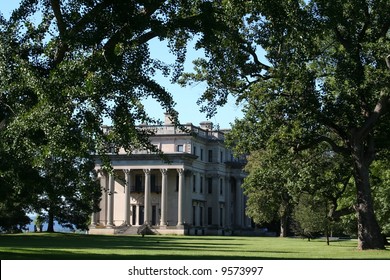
(196,192)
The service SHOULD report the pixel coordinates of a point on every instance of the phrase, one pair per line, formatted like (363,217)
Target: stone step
(131,230)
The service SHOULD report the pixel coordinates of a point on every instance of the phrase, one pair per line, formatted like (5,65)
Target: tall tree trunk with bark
(369,233)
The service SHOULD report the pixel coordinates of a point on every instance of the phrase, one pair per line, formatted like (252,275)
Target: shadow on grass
(60,246)
(60,255)
(65,246)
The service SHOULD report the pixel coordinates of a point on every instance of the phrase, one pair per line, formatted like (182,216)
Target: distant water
(57,227)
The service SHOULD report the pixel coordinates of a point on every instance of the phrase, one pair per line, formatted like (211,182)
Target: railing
(141,189)
(187,128)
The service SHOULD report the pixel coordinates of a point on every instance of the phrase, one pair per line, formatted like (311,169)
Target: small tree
(38,222)
(310,216)
(12,217)
(277,178)
(266,187)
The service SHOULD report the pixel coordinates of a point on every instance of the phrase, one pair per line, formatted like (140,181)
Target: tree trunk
(369,233)
(327,233)
(50,225)
(283,224)
(284,213)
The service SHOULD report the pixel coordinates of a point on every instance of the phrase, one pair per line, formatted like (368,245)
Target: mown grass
(66,246)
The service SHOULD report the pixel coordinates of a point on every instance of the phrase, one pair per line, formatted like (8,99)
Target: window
(180,148)
(201,154)
(210,215)
(134,214)
(201,184)
(221,157)
(194,151)
(221,186)
(194,215)
(153,185)
(221,216)
(210,155)
(154,215)
(138,183)
(201,216)
(193,183)
(210,185)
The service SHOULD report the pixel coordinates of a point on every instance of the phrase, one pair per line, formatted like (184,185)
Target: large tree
(65,67)
(279,178)
(324,79)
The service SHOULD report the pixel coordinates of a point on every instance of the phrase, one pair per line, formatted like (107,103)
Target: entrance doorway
(141,215)
(154,215)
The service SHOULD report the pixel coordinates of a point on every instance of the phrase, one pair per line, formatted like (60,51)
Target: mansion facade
(197,191)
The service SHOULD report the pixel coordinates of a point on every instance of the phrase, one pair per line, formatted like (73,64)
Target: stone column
(93,219)
(136,215)
(201,214)
(94,215)
(197,214)
(239,208)
(222,219)
(216,195)
(110,202)
(102,215)
(227,202)
(180,197)
(147,201)
(164,196)
(127,196)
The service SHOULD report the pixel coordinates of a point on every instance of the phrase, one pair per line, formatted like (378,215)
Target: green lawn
(64,246)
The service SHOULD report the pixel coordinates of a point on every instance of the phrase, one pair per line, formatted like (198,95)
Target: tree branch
(255,57)
(336,148)
(380,109)
(55,5)
(335,215)
(126,31)
(366,23)
(63,47)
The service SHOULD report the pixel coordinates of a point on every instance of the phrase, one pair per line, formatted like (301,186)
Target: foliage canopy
(324,79)
(65,67)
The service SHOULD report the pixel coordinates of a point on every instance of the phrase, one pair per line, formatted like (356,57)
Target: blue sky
(185,98)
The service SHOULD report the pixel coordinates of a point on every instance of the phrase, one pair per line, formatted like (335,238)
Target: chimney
(168,119)
(206,125)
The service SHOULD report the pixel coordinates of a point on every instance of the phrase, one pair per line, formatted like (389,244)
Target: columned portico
(189,191)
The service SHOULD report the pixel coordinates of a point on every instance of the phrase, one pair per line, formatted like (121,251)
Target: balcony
(141,189)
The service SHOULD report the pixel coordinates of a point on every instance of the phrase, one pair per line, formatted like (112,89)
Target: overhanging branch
(321,139)
(335,215)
